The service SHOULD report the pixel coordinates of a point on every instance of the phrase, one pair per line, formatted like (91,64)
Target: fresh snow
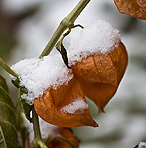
(78,105)
(96,37)
(142,145)
(39,74)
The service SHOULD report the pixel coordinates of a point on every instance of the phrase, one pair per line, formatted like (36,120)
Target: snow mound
(37,75)
(96,37)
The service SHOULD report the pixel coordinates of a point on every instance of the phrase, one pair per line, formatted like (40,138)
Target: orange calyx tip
(96,125)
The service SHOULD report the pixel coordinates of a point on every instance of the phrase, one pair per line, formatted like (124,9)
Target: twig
(67,22)
(7,68)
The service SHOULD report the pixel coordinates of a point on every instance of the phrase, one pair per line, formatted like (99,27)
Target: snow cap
(37,75)
(96,37)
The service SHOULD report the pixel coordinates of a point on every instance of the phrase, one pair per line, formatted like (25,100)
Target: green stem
(37,134)
(62,138)
(72,16)
(67,22)
(42,144)
(7,68)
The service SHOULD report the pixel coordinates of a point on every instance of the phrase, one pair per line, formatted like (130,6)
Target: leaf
(63,53)
(2,139)
(135,8)
(8,132)
(25,106)
(100,75)
(49,106)
(3,83)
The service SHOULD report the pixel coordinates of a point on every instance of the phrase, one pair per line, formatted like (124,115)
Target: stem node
(67,22)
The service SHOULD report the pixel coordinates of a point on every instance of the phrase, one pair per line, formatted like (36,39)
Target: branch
(67,22)
(7,68)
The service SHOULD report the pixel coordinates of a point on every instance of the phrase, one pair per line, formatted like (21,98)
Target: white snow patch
(142,144)
(96,37)
(37,75)
(78,104)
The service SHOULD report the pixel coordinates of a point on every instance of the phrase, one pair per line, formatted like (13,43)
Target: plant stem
(7,68)
(72,16)
(42,144)
(37,134)
(67,22)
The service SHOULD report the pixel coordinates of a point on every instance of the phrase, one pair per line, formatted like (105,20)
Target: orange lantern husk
(135,8)
(66,133)
(100,75)
(58,143)
(49,106)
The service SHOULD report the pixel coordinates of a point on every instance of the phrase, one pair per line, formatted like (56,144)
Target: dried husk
(100,75)
(135,8)
(58,143)
(66,133)
(48,106)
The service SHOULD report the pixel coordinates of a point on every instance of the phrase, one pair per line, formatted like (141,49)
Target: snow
(39,74)
(78,104)
(142,144)
(33,35)
(97,36)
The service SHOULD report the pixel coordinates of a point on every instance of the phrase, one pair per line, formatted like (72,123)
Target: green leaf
(8,132)
(2,139)
(25,106)
(3,83)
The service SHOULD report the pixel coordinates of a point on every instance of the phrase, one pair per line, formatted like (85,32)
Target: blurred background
(26,27)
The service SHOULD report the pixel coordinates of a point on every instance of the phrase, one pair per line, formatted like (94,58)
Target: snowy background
(124,123)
